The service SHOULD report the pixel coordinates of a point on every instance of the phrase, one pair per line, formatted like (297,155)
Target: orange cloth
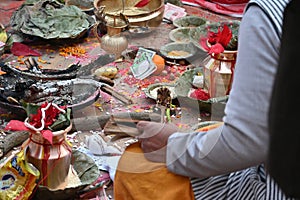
(139,179)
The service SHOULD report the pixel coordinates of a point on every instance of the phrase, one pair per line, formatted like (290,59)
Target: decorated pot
(218,73)
(52,160)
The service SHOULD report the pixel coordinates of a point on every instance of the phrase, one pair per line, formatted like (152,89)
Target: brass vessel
(114,41)
(150,15)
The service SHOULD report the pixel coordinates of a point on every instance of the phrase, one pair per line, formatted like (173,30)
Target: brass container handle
(95,31)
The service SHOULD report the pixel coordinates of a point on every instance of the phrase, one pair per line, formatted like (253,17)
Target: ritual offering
(173,12)
(83,173)
(109,71)
(160,64)
(180,34)
(50,19)
(178,50)
(152,90)
(164,97)
(219,70)
(47,147)
(142,13)
(220,41)
(114,41)
(143,65)
(191,91)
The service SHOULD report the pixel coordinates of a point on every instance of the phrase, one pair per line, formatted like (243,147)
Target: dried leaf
(51,20)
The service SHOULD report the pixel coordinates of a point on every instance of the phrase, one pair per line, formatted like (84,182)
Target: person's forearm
(212,153)
(243,141)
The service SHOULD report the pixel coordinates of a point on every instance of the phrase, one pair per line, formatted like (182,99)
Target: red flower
(200,94)
(223,36)
(40,119)
(218,41)
(50,116)
(216,48)
(212,37)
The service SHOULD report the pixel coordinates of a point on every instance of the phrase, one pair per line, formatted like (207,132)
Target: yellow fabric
(139,179)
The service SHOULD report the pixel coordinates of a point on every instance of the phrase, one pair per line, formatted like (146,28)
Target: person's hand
(154,139)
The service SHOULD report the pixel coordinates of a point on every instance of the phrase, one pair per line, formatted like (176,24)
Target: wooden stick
(121,129)
(104,79)
(98,122)
(11,140)
(115,94)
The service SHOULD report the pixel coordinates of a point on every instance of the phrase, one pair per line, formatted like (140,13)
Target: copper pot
(52,160)
(218,73)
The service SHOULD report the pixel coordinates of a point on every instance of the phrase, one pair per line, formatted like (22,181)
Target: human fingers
(149,129)
(153,153)
(146,145)
(141,125)
(156,156)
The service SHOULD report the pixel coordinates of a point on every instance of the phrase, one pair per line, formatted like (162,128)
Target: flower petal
(216,49)
(15,125)
(48,135)
(225,36)
(203,43)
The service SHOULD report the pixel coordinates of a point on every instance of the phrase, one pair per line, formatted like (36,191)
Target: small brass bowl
(150,15)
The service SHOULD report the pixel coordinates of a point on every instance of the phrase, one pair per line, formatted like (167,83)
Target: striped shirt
(253,182)
(274,10)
